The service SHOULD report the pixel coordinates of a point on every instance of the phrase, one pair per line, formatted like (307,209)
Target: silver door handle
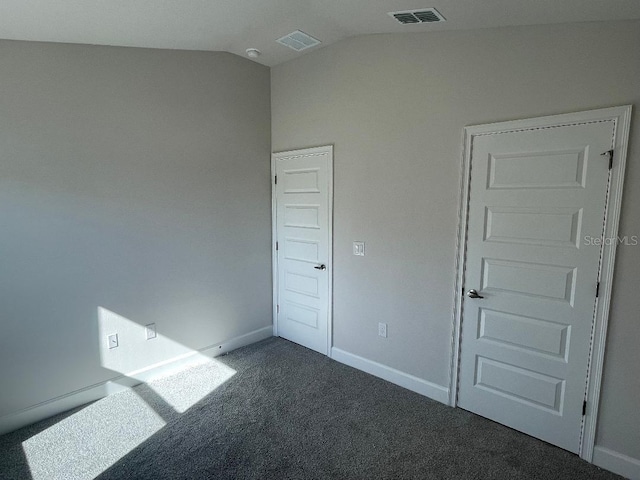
(320,267)
(473,294)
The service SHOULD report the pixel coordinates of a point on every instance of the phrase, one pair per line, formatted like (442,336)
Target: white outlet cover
(150,331)
(382,330)
(358,249)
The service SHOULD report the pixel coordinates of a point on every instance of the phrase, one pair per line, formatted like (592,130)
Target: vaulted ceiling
(235,25)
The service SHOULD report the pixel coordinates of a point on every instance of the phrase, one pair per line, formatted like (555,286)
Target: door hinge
(597,289)
(277,308)
(584,408)
(277,249)
(610,153)
(276,179)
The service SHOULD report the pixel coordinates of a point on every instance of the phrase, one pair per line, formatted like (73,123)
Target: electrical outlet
(112,340)
(382,330)
(150,331)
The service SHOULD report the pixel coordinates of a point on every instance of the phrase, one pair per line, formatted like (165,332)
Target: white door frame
(305,152)
(621,117)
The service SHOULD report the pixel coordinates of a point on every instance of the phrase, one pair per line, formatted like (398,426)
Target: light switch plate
(358,249)
(113,340)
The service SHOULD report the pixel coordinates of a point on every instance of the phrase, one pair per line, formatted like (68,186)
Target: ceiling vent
(298,41)
(427,15)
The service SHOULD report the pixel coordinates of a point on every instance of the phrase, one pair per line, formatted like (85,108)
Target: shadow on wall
(87,442)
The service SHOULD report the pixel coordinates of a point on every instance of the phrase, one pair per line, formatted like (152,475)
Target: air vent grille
(406,18)
(428,15)
(298,41)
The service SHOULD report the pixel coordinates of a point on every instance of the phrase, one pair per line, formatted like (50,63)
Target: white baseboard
(415,384)
(617,462)
(60,404)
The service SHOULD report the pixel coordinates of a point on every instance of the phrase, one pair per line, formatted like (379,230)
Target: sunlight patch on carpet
(183,391)
(88,442)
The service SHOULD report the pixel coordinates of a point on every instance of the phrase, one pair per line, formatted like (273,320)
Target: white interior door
(303,219)
(537,196)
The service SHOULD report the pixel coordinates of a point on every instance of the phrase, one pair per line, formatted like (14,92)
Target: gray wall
(395,106)
(134,180)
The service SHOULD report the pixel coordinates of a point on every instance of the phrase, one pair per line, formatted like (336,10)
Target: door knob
(320,267)
(473,294)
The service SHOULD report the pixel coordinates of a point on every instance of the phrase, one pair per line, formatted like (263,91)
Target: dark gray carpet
(290,413)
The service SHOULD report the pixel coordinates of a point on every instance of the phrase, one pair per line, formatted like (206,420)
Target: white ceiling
(235,25)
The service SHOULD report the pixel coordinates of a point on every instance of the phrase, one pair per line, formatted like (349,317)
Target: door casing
(621,116)
(327,149)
